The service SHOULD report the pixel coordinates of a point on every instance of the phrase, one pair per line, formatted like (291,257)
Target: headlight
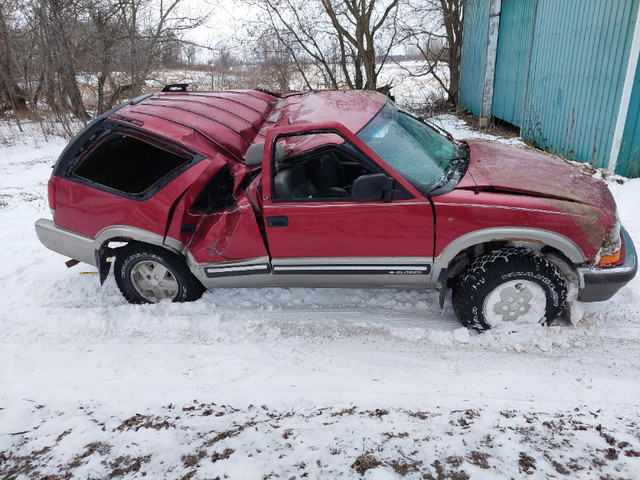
(609,253)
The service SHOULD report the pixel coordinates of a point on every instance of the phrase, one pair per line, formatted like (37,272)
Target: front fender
(510,234)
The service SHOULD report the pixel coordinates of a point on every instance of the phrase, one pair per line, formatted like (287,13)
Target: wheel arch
(127,234)
(490,238)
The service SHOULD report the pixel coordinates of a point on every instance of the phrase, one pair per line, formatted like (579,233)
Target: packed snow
(295,383)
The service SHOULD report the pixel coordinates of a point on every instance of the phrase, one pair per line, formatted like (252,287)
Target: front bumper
(599,284)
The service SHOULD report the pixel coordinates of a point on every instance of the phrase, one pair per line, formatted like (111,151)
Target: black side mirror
(375,186)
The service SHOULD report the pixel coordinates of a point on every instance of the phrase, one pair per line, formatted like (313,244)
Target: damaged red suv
(186,191)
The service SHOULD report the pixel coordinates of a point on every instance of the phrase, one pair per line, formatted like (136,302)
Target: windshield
(420,154)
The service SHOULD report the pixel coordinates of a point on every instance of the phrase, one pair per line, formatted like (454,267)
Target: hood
(494,166)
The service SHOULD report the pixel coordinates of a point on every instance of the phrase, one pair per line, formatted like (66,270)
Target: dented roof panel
(230,120)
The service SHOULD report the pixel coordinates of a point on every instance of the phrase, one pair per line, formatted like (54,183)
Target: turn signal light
(609,259)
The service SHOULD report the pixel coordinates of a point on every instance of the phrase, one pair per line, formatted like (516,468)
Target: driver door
(322,230)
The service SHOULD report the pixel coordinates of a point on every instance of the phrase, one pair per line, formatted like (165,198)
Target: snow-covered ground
(294,383)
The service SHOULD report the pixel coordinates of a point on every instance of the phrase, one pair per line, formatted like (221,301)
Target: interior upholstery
(253,155)
(327,175)
(293,183)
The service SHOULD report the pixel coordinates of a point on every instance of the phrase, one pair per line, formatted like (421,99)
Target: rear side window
(128,164)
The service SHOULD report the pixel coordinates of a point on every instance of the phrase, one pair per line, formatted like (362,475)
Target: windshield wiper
(429,123)
(456,166)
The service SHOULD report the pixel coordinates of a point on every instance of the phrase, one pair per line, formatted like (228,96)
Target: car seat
(293,183)
(327,175)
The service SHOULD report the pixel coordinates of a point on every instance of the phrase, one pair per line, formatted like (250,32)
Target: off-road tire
(508,268)
(176,281)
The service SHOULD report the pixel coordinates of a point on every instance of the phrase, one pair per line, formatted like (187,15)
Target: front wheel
(148,274)
(509,285)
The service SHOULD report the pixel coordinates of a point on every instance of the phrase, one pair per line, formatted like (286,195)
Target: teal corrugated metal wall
(578,64)
(629,157)
(474,41)
(567,71)
(514,39)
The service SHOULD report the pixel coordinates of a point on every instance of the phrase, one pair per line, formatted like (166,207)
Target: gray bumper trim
(85,249)
(599,284)
(67,243)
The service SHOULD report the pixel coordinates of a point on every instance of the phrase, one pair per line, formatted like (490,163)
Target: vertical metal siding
(629,157)
(516,21)
(474,43)
(578,63)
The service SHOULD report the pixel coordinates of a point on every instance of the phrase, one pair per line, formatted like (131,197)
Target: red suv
(195,190)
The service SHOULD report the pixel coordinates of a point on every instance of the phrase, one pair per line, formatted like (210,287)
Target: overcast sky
(223,20)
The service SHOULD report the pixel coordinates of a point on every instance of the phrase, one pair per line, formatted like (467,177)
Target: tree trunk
(11,95)
(51,12)
(452,12)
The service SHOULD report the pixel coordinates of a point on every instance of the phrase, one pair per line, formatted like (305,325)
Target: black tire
(148,274)
(507,285)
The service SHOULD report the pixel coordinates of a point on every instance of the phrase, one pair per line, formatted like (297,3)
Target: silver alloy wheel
(517,300)
(153,281)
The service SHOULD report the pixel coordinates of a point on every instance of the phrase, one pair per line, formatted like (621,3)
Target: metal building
(565,71)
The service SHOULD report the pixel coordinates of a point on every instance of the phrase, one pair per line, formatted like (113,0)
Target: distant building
(564,71)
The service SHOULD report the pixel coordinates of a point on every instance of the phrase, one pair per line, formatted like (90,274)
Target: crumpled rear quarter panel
(87,210)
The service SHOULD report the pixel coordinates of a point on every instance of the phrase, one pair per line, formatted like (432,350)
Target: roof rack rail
(175,87)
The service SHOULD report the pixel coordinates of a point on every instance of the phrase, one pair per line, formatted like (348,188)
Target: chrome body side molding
(251,272)
(390,272)
(403,272)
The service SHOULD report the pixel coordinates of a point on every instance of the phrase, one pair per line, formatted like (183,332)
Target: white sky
(223,21)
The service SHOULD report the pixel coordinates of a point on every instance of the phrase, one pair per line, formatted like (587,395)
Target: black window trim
(106,129)
(353,153)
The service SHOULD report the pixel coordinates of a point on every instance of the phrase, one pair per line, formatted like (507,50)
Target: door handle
(278,221)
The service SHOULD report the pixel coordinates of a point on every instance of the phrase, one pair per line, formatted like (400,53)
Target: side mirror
(374,186)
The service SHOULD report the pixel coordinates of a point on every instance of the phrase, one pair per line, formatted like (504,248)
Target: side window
(128,164)
(323,172)
(320,173)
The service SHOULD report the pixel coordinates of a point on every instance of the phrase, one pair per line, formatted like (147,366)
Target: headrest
(253,157)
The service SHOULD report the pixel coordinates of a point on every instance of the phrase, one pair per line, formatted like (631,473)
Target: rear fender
(125,234)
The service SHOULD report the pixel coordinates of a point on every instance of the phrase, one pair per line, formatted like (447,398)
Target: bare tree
(275,61)
(220,68)
(434,28)
(105,19)
(62,52)
(150,28)
(356,36)
(357,23)
(55,17)
(12,96)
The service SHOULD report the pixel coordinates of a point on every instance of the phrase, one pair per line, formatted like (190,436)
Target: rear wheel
(509,285)
(148,274)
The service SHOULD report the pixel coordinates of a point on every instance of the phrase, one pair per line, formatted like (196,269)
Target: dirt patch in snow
(220,441)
